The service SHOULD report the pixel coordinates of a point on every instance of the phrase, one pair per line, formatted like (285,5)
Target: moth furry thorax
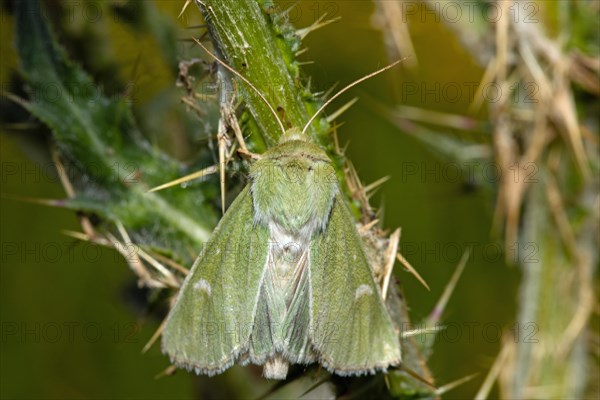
(294,185)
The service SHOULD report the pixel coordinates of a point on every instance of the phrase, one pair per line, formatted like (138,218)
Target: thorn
(201,26)
(19,126)
(87,238)
(376,184)
(302,33)
(176,266)
(418,377)
(411,269)
(171,280)
(454,121)
(155,336)
(233,123)
(76,235)
(222,139)
(328,92)
(488,76)
(389,266)
(190,103)
(333,130)
(345,148)
(336,141)
(388,13)
(170,370)
(367,227)
(341,110)
(386,379)
(316,385)
(491,377)
(286,12)
(356,189)
(449,386)
(62,174)
(352,177)
(187,3)
(15,99)
(129,251)
(437,311)
(280,385)
(247,153)
(301,51)
(199,174)
(355,184)
(422,331)
(33,200)
(85,222)
(308,86)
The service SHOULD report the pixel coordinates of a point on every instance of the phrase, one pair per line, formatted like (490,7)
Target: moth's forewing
(212,320)
(350,326)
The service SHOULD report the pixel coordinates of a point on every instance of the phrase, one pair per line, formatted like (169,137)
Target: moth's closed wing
(351,329)
(211,322)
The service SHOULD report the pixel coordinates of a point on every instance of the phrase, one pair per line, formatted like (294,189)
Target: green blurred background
(72,322)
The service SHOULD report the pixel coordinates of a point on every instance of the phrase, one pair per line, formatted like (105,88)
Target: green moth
(284,278)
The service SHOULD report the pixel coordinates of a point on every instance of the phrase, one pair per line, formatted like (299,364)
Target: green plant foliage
(109,163)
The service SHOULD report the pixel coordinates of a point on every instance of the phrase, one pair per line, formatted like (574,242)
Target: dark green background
(70,325)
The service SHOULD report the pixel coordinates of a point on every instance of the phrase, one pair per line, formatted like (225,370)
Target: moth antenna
(356,82)
(233,71)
